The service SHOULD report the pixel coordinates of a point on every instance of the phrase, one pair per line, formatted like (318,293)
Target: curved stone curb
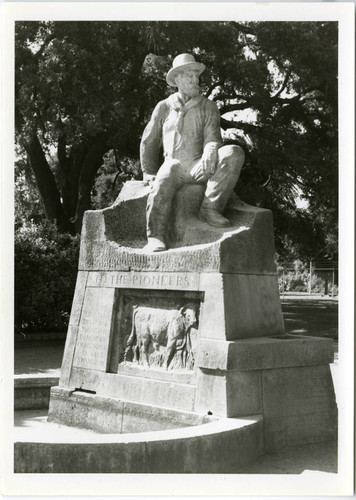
(224,446)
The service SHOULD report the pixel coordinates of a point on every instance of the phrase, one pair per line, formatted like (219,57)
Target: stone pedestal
(233,362)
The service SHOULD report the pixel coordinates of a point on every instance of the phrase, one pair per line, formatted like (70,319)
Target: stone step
(33,391)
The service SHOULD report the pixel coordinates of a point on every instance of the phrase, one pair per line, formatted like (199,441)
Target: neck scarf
(176,102)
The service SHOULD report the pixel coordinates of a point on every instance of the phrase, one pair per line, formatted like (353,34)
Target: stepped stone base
(287,380)
(232,360)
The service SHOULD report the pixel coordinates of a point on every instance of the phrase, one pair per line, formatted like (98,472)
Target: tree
(85,88)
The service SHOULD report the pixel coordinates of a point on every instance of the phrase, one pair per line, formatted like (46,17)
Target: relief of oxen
(154,327)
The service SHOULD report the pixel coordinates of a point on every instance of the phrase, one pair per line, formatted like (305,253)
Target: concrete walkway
(39,357)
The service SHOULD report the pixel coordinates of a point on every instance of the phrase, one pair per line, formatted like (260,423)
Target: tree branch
(234,107)
(91,163)
(61,152)
(246,127)
(284,84)
(212,87)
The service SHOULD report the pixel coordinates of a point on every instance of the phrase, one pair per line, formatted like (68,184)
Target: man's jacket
(183,131)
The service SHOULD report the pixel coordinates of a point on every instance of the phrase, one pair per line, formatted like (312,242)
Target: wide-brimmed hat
(181,63)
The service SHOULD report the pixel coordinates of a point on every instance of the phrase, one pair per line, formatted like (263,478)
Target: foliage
(110,178)
(298,280)
(85,88)
(28,207)
(45,274)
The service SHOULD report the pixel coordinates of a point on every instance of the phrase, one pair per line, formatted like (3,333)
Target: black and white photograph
(177,248)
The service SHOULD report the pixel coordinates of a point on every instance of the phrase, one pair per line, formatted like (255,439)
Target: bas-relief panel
(141,327)
(156,329)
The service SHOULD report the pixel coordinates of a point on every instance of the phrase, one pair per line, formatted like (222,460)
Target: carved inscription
(93,339)
(168,281)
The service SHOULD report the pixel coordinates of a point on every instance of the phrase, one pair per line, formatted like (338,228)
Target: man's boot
(213,217)
(155,245)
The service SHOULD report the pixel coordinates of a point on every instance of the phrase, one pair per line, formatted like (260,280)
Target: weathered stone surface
(228,393)
(33,393)
(111,415)
(186,205)
(298,406)
(235,305)
(240,306)
(174,376)
(78,298)
(144,280)
(221,447)
(113,238)
(93,338)
(142,390)
(82,410)
(68,355)
(264,353)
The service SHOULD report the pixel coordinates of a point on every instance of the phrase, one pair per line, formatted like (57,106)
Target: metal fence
(327,272)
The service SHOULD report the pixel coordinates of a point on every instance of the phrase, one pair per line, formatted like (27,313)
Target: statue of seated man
(187,125)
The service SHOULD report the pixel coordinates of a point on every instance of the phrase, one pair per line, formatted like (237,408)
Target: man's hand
(198,173)
(148,179)
(209,160)
(206,167)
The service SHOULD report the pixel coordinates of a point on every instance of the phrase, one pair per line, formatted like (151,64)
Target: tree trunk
(47,185)
(70,173)
(91,163)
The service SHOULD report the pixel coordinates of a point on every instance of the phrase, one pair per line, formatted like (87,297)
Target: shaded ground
(38,356)
(321,457)
(317,318)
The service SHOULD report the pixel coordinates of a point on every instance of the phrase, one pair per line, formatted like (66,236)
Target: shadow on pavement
(320,457)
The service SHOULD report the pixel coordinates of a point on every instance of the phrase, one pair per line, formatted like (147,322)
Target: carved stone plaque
(149,280)
(93,341)
(159,331)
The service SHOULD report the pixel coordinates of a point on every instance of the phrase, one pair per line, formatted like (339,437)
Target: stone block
(106,414)
(113,238)
(33,393)
(213,318)
(298,406)
(86,411)
(68,355)
(93,338)
(264,353)
(240,305)
(78,298)
(228,393)
(142,390)
(252,306)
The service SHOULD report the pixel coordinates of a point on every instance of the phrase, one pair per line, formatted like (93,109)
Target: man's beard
(191,91)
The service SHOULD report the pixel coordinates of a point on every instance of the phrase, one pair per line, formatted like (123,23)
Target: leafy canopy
(86,88)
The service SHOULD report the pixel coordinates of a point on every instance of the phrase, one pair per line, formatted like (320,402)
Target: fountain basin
(223,445)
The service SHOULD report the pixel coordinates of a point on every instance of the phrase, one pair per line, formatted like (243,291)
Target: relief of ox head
(189,313)
(154,327)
